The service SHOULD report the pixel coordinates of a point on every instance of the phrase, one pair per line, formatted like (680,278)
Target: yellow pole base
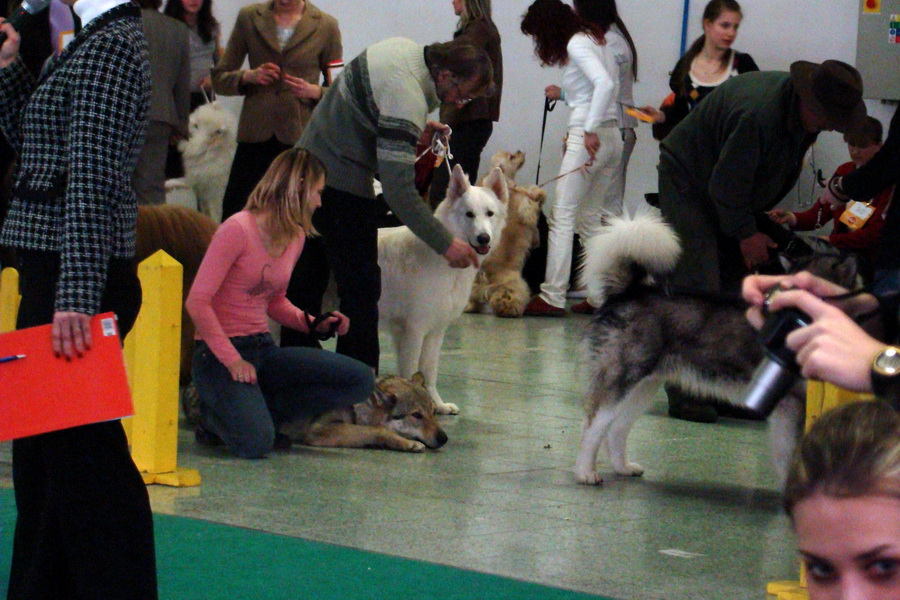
(9,299)
(178,478)
(787,590)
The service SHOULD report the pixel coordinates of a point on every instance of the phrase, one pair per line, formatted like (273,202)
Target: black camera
(778,371)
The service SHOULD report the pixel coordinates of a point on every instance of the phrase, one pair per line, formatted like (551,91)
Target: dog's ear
(418,378)
(496,182)
(383,398)
(459,184)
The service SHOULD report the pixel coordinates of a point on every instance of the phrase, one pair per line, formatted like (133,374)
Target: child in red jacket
(863,234)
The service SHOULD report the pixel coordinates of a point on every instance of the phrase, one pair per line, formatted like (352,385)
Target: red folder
(41,393)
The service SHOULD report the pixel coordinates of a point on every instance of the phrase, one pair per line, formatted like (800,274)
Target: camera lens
(778,371)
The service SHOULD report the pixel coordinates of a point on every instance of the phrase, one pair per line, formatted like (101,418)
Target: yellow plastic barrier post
(820,398)
(152,352)
(153,355)
(9,299)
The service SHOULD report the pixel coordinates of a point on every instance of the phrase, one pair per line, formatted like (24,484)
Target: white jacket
(590,83)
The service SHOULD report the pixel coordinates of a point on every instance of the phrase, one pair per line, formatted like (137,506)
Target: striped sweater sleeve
(401,119)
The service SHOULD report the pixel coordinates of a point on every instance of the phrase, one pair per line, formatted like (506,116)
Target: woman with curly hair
(591,169)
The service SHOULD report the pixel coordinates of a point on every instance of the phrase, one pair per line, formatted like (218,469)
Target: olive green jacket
(742,148)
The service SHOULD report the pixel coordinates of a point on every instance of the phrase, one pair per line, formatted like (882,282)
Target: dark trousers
(466,144)
(251,161)
(84,527)
(349,246)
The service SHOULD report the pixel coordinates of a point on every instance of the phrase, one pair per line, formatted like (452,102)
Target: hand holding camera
(827,344)
(778,371)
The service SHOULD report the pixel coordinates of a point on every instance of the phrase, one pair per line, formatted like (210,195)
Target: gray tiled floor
(703,522)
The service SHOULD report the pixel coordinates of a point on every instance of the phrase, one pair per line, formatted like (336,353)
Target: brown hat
(832,90)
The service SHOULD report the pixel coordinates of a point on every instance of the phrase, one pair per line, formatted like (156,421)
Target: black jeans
(466,144)
(84,527)
(251,161)
(349,249)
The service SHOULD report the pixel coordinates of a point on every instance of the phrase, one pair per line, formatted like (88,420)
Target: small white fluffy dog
(421,295)
(207,154)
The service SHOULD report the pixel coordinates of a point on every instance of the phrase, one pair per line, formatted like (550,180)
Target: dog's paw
(414,446)
(509,312)
(446,408)
(630,470)
(588,477)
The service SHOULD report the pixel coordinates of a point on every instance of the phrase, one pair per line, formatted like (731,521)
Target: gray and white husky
(641,337)
(421,295)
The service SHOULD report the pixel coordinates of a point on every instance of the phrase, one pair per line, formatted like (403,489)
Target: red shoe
(539,308)
(583,308)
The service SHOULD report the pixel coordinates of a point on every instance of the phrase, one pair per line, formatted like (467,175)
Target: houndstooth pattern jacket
(78,132)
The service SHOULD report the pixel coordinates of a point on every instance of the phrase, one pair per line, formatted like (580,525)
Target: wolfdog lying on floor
(398,415)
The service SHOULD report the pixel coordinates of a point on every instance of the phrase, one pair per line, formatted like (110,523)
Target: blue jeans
(292,382)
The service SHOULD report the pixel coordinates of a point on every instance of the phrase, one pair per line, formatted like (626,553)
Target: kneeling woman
(247,385)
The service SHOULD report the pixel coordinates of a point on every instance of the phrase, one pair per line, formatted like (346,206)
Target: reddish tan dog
(499,283)
(399,415)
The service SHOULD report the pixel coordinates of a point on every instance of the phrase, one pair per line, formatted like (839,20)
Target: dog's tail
(626,250)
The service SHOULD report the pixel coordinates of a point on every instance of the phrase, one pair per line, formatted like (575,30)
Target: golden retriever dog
(499,283)
(399,415)
(184,234)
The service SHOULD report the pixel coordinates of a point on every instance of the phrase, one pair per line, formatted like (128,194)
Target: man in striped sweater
(369,122)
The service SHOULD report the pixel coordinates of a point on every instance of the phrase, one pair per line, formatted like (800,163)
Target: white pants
(583,200)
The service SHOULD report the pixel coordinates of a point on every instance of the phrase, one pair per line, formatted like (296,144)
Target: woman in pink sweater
(247,385)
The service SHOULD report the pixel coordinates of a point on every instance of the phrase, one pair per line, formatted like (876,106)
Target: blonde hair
(851,451)
(283,193)
(474,10)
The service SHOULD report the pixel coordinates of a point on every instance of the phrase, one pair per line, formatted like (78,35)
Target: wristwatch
(886,374)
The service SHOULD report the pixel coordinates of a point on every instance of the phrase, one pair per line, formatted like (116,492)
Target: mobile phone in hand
(637,113)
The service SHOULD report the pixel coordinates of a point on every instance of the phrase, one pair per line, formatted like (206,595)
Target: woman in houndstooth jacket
(84,527)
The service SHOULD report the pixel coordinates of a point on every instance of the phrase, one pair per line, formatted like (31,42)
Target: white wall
(774,32)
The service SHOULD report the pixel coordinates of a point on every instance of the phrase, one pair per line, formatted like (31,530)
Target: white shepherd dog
(421,295)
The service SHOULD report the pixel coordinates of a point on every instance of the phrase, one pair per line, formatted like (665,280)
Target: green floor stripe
(198,560)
